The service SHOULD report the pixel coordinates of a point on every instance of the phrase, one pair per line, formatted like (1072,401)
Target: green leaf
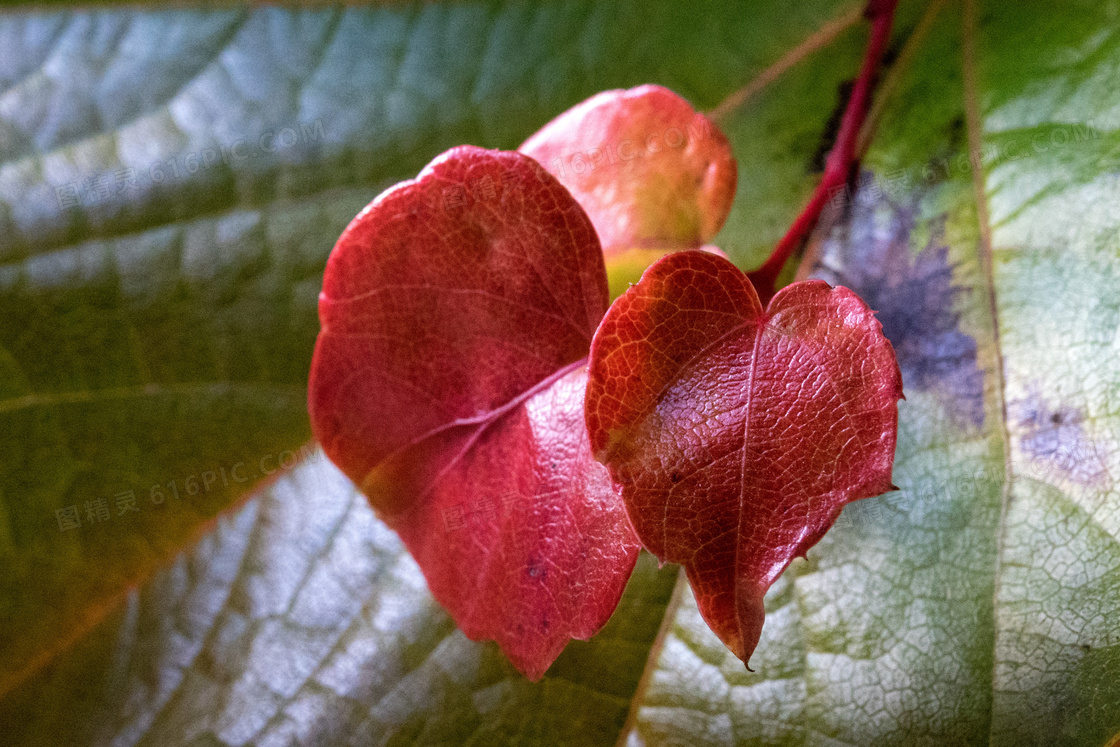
(302,618)
(981,603)
(170,185)
(164,332)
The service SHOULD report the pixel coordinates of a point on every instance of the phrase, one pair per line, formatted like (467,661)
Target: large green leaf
(164,331)
(301,618)
(981,603)
(170,185)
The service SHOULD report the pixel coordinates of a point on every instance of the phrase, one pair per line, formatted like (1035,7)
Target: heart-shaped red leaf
(738,434)
(448,382)
(652,173)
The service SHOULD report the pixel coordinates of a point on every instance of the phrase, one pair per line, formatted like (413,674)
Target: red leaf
(737,434)
(652,173)
(448,380)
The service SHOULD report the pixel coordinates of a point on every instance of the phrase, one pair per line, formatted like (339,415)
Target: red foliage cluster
(470,378)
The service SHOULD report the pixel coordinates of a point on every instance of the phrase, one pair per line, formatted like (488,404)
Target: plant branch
(843,155)
(886,86)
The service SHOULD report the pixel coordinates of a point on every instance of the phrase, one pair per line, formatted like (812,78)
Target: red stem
(841,159)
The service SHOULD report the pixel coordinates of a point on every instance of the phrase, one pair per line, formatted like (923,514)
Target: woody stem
(841,159)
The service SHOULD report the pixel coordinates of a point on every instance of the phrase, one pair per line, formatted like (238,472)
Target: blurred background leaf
(301,619)
(170,185)
(980,604)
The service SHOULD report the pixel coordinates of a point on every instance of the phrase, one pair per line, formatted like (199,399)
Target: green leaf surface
(302,619)
(159,331)
(981,602)
(170,185)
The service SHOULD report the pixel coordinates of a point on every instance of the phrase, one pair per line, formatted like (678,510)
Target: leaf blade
(448,383)
(227,256)
(907,595)
(302,614)
(738,434)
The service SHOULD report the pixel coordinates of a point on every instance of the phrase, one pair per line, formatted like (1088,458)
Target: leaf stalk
(841,159)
